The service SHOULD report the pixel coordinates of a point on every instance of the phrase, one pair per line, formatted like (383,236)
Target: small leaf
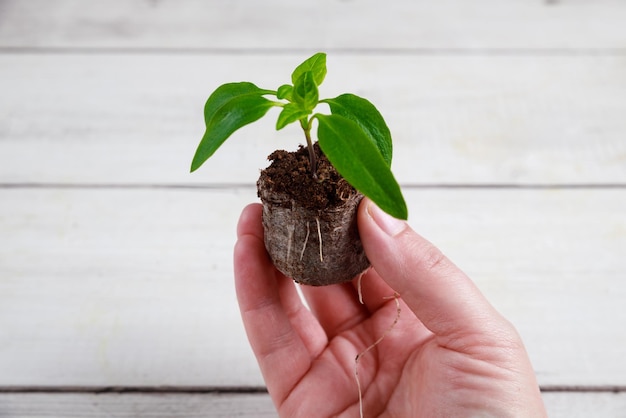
(305,92)
(358,160)
(291,112)
(316,65)
(229,108)
(365,114)
(284,92)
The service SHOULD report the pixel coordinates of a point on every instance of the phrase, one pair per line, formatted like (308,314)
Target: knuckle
(430,258)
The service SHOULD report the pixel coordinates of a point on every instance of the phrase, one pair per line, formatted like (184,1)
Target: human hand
(449,355)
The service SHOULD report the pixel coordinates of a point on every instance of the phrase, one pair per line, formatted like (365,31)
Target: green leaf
(305,91)
(316,65)
(284,92)
(291,112)
(365,114)
(226,92)
(230,107)
(358,160)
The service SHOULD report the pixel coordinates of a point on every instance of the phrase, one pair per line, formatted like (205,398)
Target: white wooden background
(116,293)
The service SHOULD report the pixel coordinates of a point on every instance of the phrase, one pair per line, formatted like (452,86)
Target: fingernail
(390,225)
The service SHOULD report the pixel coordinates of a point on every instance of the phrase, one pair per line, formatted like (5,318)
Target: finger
(442,297)
(302,320)
(336,307)
(271,310)
(250,221)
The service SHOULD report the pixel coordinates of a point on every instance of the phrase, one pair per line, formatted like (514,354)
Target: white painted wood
(444,24)
(559,405)
(128,119)
(130,287)
(124,287)
(135,405)
(583,405)
(134,287)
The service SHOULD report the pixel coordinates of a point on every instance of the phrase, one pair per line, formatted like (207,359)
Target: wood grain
(559,405)
(328,24)
(115,262)
(108,287)
(134,119)
(136,405)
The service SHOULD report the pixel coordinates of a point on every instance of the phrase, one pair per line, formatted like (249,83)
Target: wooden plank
(120,286)
(565,405)
(135,405)
(446,24)
(136,119)
(558,405)
(134,287)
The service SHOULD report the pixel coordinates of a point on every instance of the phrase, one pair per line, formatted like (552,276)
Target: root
(319,234)
(290,240)
(396,297)
(306,240)
(358,285)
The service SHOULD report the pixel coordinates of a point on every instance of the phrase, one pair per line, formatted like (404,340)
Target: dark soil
(290,173)
(299,209)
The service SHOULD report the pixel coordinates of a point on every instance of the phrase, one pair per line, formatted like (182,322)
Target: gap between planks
(134,389)
(435,51)
(249,389)
(239,390)
(244,389)
(224,186)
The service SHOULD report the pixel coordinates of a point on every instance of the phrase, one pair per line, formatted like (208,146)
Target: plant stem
(306,126)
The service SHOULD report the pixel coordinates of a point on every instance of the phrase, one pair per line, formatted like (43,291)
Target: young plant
(354,137)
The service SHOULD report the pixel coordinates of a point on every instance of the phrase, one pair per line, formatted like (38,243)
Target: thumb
(444,299)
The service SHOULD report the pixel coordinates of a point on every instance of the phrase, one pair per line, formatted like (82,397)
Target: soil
(290,173)
(310,224)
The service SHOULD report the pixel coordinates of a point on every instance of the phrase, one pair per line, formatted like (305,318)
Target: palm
(329,387)
(342,329)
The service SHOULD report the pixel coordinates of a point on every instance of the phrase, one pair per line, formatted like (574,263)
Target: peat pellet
(310,226)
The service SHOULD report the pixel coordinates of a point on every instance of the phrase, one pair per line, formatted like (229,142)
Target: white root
(306,240)
(358,286)
(396,297)
(290,240)
(319,234)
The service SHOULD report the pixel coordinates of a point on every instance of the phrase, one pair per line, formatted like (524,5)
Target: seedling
(354,136)
(312,243)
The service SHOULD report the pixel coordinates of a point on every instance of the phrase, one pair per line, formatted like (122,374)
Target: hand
(449,355)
